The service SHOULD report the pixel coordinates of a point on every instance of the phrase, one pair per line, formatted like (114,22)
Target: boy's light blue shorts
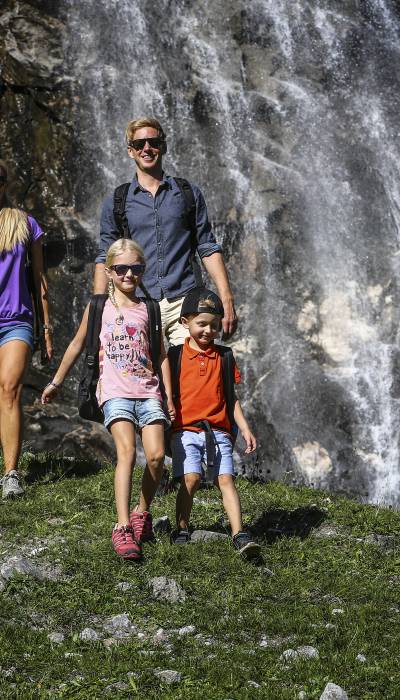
(189,450)
(140,412)
(18,331)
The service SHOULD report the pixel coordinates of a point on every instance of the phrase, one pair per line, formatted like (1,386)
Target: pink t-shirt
(124,358)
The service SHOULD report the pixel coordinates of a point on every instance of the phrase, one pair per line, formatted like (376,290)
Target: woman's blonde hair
(13,222)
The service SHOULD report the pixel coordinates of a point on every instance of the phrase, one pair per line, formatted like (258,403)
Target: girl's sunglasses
(121,270)
(154,142)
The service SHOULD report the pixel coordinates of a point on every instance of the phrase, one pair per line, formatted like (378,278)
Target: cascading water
(286,114)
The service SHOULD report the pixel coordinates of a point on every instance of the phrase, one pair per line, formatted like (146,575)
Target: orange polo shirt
(201,390)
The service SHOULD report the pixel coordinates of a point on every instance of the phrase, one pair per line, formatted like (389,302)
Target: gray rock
(2,585)
(207,536)
(124,586)
(56,637)
(337,611)
(89,635)
(273,642)
(308,652)
(329,626)
(303,652)
(56,521)
(119,685)
(160,636)
(21,565)
(328,530)
(162,524)
(253,684)
(167,589)
(385,542)
(361,658)
(119,626)
(333,692)
(184,631)
(168,676)
(302,695)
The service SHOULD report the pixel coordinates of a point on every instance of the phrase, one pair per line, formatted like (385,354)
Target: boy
(204,420)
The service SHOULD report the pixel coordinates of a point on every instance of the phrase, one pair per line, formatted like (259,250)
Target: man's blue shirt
(160,225)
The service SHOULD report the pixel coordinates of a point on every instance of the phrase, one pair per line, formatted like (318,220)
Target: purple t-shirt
(15,302)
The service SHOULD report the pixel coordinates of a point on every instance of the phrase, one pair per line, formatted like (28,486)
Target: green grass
(233,604)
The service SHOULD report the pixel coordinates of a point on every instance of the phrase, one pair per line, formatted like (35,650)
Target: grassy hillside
(322,555)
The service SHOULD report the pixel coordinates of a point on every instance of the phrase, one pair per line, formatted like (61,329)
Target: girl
(128,392)
(19,233)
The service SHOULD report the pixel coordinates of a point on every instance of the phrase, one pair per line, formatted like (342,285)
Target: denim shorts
(140,412)
(18,331)
(189,451)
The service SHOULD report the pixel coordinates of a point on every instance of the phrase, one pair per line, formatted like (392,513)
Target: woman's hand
(48,341)
(49,392)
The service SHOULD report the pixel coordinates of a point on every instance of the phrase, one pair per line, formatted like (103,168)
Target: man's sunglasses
(154,142)
(121,270)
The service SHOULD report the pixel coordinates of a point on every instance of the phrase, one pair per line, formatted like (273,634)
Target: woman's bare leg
(14,359)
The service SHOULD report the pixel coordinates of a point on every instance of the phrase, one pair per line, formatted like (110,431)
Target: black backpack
(120,195)
(87,401)
(228,381)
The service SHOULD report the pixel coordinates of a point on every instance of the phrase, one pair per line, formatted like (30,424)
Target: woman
(18,234)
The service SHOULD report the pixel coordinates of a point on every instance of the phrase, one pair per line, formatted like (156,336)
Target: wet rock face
(285,113)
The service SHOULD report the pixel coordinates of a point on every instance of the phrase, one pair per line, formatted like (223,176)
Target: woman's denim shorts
(140,412)
(18,331)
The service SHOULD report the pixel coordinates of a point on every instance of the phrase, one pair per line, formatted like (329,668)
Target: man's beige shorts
(174,332)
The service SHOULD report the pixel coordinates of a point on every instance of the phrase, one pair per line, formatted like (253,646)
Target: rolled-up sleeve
(206,243)
(108,229)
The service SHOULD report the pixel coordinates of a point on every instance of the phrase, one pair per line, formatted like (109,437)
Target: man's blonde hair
(136,124)
(13,222)
(123,245)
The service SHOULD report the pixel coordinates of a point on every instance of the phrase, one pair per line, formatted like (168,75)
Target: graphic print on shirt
(125,346)
(125,367)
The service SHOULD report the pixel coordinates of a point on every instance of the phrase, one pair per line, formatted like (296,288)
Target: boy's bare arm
(242,424)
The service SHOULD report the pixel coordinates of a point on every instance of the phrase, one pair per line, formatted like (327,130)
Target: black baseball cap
(193,303)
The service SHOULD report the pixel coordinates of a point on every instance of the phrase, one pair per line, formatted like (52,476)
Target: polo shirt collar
(137,188)
(192,353)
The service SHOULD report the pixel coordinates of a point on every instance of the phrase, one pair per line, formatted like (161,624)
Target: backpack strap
(175,361)
(190,208)
(228,379)
(96,307)
(120,195)
(155,328)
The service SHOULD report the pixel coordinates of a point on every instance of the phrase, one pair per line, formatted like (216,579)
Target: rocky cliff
(285,113)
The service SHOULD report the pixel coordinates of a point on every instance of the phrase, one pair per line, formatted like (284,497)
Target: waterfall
(285,112)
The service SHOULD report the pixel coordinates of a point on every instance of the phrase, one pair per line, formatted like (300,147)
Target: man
(157,219)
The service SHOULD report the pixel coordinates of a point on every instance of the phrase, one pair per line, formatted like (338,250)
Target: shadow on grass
(56,468)
(274,524)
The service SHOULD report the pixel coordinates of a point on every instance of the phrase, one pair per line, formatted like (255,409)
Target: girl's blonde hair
(13,223)
(122,245)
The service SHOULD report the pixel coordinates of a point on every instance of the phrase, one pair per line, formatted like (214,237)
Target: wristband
(56,386)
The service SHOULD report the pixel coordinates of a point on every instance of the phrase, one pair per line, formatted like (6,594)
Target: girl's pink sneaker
(125,544)
(142,526)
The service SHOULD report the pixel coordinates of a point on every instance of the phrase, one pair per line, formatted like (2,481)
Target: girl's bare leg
(153,445)
(124,436)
